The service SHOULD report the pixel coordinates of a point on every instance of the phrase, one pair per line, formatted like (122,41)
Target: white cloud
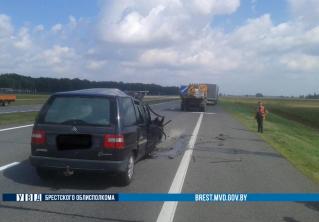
(72,21)
(307,10)
(57,54)
(171,42)
(96,64)
(39,28)
(215,7)
(144,21)
(159,57)
(6,28)
(57,28)
(23,40)
(301,62)
(138,28)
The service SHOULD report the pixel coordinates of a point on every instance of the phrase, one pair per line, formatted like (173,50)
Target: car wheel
(126,177)
(45,174)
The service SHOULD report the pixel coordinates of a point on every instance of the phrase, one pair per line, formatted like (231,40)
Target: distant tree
(50,85)
(314,96)
(259,95)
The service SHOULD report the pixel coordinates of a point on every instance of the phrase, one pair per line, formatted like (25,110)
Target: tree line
(50,85)
(310,96)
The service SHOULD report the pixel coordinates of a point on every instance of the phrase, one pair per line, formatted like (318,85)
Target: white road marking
(22,111)
(168,209)
(156,104)
(8,165)
(17,127)
(204,112)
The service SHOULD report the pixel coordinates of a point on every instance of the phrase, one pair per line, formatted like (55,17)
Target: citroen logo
(75,130)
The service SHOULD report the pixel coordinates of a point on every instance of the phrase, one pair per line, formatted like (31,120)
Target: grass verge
(295,141)
(28,99)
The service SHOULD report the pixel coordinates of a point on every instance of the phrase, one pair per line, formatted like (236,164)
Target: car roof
(95,92)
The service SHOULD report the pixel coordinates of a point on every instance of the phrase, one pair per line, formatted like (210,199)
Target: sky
(245,46)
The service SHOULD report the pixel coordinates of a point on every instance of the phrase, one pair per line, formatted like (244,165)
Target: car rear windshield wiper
(75,122)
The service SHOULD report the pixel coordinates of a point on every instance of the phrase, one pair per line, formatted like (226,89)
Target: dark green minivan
(92,129)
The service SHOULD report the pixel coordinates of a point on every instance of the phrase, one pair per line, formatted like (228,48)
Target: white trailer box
(212,94)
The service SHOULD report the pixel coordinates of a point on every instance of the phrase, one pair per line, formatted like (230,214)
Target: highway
(212,150)
(19,109)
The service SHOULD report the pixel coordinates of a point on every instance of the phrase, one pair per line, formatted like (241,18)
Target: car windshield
(78,111)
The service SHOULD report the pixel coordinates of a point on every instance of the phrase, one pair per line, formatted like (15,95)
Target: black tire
(126,177)
(182,107)
(44,173)
(203,108)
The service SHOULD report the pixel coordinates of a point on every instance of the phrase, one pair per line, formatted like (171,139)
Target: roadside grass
(29,99)
(17,118)
(32,96)
(300,110)
(297,142)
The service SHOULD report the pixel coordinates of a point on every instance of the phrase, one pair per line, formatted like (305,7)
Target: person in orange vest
(260,116)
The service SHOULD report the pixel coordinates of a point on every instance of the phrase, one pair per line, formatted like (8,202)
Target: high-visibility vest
(261,110)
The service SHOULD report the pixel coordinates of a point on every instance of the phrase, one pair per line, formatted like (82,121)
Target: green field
(29,99)
(291,127)
(303,111)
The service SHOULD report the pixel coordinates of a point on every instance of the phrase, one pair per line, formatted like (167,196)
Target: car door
(141,129)
(154,133)
(129,126)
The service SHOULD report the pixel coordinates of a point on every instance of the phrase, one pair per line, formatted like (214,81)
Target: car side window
(142,117)
(146,114)
(128,115)
(139,115)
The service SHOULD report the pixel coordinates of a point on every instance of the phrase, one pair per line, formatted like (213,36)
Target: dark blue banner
(162,197)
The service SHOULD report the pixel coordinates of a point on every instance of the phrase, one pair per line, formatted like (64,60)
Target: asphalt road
(19,109)
(225,158)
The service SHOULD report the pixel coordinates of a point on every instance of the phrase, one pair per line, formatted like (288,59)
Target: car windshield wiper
(75,122)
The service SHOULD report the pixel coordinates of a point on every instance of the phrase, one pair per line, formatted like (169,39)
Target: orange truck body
(6,99)
(197,90)
(194,96)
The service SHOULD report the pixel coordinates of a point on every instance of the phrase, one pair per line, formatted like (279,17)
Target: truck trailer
(212,94)
(6,99)
(194,96)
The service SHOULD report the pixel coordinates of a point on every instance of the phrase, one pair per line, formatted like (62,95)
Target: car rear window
(76,110)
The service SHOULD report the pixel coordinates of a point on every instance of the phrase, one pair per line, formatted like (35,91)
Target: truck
(194,96)
(7,99)
(212,94)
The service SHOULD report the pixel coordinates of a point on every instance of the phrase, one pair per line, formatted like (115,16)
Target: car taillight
(38,137)
(113,141)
